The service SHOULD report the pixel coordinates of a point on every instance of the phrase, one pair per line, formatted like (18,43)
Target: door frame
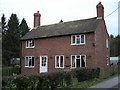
(46,63)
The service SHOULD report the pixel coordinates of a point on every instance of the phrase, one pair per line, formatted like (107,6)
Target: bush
(50,80)
(46,80)
(109,71)
(17,69)
(83,74)
(7,71)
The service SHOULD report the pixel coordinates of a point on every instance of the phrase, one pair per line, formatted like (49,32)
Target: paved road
(110,83)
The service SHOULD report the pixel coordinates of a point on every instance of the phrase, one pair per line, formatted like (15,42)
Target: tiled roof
(63,28)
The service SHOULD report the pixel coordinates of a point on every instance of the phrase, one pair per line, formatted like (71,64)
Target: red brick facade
(94,49)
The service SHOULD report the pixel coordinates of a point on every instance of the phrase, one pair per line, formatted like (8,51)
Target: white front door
(43,64)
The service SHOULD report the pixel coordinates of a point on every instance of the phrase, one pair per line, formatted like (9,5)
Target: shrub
(51,80)
(7,71)
(46,80)
(7,82)
(17,69)
(108,71)
(83,74)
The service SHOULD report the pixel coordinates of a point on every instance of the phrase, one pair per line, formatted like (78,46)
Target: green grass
(86,84)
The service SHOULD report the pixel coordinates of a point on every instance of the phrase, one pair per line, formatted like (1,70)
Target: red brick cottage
(65,45)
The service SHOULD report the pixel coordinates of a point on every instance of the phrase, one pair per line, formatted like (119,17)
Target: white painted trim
(75,60)
(29,66)
(46,63)
(76,41)
(59,61)
(31,47)
(29,44)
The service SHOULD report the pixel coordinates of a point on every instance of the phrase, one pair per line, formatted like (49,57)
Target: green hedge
(52,80)
(109,71)
(47,80)
(83,74)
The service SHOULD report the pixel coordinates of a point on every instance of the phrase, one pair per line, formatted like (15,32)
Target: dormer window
(30,44)
(77,39)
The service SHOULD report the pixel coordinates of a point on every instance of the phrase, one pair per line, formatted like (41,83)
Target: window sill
(78,44)
(59,67)
(29,67)
(30,47)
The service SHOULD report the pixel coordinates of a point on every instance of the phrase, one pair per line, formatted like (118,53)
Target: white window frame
(29,57)
(75,60)
(107,60)
(76,40)
(59,61)
(29,42)
(107,43)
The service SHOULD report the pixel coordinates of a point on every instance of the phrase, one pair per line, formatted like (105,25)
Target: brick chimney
(37,19)
(100,10)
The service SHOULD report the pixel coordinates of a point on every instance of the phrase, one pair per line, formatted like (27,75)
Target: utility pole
(119,17)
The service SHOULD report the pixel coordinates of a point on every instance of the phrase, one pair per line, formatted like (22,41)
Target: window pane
(78,39)
(32,61)
(73,61)
(26,43)
(78,56)
(44,61)
(82,38)
(57,61)
(82,61)
(26,62)
(61,61)
(73,39)
(32,42)
(42,64)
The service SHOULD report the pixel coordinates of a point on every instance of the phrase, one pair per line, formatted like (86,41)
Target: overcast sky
(52,11)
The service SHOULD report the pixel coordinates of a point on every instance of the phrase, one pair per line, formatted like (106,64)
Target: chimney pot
(37,19)
(100,10)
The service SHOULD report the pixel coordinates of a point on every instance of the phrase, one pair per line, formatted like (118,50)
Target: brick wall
(101,52)
(57,46)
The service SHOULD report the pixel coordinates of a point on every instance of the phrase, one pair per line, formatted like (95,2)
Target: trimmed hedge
(46,80)
(52,80)
(83,74)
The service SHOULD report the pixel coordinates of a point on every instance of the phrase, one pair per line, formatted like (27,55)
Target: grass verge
(86,84)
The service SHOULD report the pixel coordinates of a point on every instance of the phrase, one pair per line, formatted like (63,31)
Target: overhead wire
(112,12)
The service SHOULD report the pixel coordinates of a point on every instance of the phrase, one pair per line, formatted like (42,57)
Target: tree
(111,36)
(10,42)
(23,28)
(3,21)
(114,46)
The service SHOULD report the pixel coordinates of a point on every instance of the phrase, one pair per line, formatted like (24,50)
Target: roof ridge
(67,22)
